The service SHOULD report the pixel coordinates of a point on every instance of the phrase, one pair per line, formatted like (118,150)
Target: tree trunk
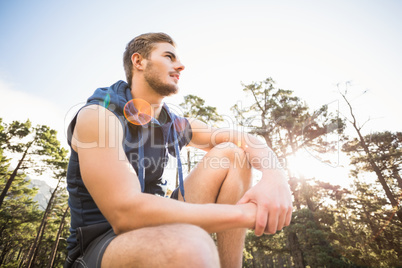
(13,175)
(293,182)
(188,161)
(34,247)
(3,254)
(268,261)
(22,262)
(19,254)
(280,261)
(289,261)
(380,176)
(306,195)
(295,250)
(38,245)
(56,242)
(373,228)
(398,178)
(3,228)
(253,259)
(373,164)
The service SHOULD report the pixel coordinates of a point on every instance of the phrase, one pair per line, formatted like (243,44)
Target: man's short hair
(142,44)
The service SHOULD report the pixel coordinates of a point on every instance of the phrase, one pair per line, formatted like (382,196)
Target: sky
(54,54)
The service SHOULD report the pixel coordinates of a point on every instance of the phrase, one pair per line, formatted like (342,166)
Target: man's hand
(274,203)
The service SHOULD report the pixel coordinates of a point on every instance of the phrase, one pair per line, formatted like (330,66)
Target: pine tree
(370,156)
(37,149)
(194,107)
(18,217)
(287,125)
(28,234)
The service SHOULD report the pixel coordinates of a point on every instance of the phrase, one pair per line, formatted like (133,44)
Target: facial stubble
(154,80)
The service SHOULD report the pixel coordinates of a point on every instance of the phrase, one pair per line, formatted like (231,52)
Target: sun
(304,164)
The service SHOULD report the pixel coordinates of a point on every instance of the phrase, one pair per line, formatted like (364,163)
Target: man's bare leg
(173,245)
(223,176)
(182,245)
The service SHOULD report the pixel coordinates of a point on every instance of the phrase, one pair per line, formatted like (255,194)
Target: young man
(120,143)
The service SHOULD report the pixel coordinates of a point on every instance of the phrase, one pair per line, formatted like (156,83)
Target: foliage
(386,152)
(38,152)
(194,107)
(368,233)
(17,220)
(25,143)
(372,158)
(287,125)
(285,121)
(331,226)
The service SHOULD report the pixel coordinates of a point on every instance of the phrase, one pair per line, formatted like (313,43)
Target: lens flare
(106,101)
(138,112)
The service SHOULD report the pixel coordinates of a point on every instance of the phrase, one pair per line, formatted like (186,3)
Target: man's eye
(169,56)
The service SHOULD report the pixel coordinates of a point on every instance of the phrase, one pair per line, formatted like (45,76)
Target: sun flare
(304,164)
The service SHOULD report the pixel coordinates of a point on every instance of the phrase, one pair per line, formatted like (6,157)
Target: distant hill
(44,192)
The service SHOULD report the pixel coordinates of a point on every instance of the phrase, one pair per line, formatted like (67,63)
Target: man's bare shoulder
(94,124)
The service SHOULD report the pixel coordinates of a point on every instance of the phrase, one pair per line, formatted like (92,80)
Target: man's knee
(229,154)
(195,247)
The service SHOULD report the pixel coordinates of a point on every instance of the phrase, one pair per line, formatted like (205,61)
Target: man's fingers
(262,218)
(288,217)
(278,219)
(281,220)
(273,221)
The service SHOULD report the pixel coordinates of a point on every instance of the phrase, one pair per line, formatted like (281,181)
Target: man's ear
(138,61)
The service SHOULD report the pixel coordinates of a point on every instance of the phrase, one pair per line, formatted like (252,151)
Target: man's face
(162,70)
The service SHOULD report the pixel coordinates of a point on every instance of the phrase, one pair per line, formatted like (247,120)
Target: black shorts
(92,242)
(175,194)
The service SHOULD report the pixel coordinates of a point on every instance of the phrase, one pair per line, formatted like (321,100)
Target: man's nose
(179,67)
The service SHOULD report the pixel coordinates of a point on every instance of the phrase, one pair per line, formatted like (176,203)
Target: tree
(26,143)
(370,158)
(284,120)
(367,234)
(41,230)
(262,252)
(313,225)
(57,240)
(312,228)
(386,152)
(51,246)
(194,107)
(18,216)
(37,151)
(287,125)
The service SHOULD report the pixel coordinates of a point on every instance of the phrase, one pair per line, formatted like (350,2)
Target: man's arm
(113,183)
(272,193)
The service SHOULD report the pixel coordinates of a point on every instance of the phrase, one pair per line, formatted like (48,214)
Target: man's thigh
(173,245)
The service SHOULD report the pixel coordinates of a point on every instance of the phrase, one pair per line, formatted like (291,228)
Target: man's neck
(145,92)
